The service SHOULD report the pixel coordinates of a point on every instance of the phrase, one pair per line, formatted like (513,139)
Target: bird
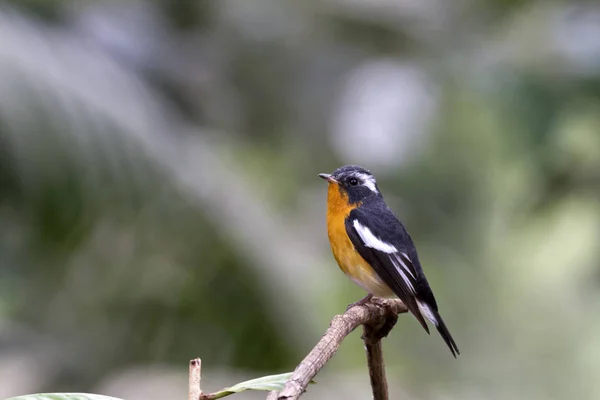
(374,249)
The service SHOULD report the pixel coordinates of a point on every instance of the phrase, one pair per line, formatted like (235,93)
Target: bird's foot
(361,302)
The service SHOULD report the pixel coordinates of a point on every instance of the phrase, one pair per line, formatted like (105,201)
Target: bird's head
(354,181)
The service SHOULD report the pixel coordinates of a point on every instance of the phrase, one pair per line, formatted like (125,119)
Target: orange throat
(344,252)
(338,209)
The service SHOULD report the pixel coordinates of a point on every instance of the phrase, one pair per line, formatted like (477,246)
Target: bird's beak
(329,178)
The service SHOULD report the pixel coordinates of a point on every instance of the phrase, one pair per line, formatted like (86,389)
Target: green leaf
(63,396)
(271,382)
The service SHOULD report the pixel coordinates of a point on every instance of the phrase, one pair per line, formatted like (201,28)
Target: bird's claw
(361,302)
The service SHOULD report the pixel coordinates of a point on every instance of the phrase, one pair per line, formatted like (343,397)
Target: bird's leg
(361,302)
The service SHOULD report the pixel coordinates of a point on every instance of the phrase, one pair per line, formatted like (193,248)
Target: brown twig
(377,315)
(194,390)
(377,370)
(372,335)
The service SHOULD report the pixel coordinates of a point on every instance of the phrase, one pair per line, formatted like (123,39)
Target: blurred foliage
(159,199)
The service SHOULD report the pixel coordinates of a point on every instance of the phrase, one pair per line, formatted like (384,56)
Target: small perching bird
(373,248)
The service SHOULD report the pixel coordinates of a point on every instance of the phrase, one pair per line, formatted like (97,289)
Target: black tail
(445,333)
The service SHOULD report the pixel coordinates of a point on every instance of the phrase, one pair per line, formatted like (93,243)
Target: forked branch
(378,317)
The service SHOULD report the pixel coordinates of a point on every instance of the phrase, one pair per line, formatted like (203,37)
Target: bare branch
(273,395)
(372,335)
(194,390)
(377,370)
(379,315)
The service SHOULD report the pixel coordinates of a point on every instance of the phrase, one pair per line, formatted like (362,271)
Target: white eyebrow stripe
(370,240)
(369,181)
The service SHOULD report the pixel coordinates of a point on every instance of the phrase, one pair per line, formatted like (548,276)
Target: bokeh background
(159,197)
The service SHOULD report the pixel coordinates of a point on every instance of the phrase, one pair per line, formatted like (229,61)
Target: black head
(358,183)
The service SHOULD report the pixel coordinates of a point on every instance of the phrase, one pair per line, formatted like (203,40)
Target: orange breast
(344,252)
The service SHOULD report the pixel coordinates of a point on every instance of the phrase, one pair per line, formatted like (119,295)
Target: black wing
(381,239)
(383,246)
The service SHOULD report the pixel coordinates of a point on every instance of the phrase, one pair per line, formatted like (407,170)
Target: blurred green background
(159,197)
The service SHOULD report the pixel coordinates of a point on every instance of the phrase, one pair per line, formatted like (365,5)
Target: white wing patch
(370,240)
(406,267)
(401,268)
(369,181)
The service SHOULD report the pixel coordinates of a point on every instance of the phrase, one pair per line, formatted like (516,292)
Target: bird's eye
(353,181)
